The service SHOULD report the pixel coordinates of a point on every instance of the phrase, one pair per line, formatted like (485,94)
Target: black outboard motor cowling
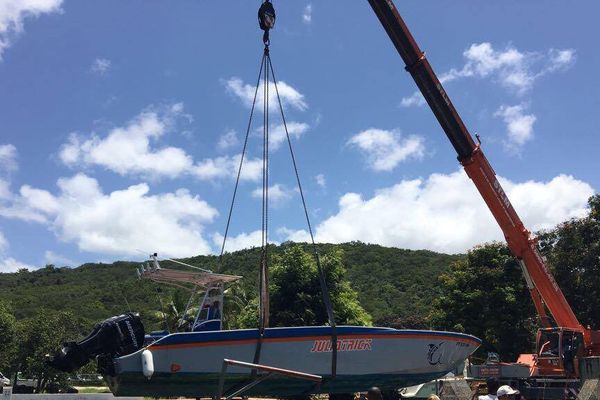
(116,336)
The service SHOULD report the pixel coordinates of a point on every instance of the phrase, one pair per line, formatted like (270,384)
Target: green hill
(395,286)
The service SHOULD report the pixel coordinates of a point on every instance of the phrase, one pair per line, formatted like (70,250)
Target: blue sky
(121,123)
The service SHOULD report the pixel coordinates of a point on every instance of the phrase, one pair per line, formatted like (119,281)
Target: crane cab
(558,351)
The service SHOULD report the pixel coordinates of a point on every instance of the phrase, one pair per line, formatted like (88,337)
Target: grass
(92,389)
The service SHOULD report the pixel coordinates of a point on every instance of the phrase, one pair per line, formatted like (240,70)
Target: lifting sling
(266,19)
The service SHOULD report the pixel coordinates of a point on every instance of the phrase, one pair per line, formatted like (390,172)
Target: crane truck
(562,343)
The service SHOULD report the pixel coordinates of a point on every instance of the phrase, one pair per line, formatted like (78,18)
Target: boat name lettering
(324,346)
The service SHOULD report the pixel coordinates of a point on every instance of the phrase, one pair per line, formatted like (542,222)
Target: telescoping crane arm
(521,242)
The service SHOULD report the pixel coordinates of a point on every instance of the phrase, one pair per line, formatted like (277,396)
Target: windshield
(549,342)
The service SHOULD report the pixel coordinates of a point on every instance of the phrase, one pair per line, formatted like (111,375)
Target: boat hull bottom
(206,384)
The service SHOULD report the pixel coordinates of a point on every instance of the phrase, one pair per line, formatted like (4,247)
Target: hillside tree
(44,334)
(572,251)
(8,337)
(485,295)
(295,293)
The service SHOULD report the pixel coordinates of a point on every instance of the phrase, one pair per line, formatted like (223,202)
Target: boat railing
(268,372)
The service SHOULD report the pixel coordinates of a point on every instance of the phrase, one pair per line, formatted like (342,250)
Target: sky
(122,124)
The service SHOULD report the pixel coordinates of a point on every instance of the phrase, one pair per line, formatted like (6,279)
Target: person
(505,392)
(214,311)
(374,394)
(492,388)
(433,397)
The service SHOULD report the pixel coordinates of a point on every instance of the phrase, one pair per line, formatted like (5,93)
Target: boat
(192,362)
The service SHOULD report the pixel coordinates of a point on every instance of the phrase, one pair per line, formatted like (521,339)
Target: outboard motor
(116,336)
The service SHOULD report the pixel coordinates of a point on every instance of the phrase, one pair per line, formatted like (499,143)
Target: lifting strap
(322,278)
(266,17)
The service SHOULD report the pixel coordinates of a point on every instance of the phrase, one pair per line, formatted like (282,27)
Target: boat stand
(269,371)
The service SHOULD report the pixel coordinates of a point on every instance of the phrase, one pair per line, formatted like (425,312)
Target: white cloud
(559,60)
(4,189)
(518,124)
(321,181)
(8,164)
(416,99)
(386,149)
(297,236)
(123,220)
(289,97)
(127,150)
(20,206)
(100,66)
(239,242)
(445,212)
(31,205)
(39,200)
(543,205)
(14,12)
(278,193)
(9,264)
(509,66)
(513,69)
(227,140)
(307,14)
(3,243)
(18,210)
(277,133)
(8,158)
(245,92)
(9,207)
(51,257)
(227,167)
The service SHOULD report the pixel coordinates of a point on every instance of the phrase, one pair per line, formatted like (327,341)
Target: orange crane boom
(542,286)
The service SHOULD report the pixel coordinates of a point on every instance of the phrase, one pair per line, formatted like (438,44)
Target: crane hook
(266,19)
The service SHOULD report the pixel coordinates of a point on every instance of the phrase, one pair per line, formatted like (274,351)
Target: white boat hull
(189,364)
